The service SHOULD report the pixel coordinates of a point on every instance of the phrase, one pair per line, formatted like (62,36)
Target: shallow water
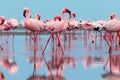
(82,59)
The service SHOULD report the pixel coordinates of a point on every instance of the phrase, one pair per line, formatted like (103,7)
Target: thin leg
(46,45)
(59,43)
(47,65)
(26,34)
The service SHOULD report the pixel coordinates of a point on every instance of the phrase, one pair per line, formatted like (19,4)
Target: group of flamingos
(60,24)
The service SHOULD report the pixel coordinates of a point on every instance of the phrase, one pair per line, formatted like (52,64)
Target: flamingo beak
(69,13)
(24,13)
(2,22)
(38,17)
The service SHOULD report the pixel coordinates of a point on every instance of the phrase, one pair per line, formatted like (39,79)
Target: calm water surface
(82,59)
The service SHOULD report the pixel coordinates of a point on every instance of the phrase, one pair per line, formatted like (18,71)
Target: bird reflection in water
(113,63)
(2,76)
(7,60)
(37,62)
(93,61)
(9,63)
(55,65)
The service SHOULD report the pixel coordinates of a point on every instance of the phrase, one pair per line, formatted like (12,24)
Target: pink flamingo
(12,23)
(2,20)
(72,22)
(32,24)
(57,26)
(111,25)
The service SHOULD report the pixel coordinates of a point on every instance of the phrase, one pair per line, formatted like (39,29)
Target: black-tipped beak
(69,13)
(15,27)
(2,22)
(24,13)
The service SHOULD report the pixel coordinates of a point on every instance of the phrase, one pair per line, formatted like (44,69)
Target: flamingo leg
(59,42)
(7,34)
(85,38)
(34,60)
(35,44)
(26,34)
(13,40)
(93,36)
(46,45)
(47,65)
(52,41)
(108,41)
(0,34)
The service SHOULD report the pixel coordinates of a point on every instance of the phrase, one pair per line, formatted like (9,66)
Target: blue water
(88,59)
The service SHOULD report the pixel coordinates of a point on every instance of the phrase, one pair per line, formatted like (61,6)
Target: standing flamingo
(32,24)
(111,25)
(72,22)
(12,23)
(57,26)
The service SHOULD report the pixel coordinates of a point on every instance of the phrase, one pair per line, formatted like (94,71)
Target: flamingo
(110,26)
(57,26)
(32,24)
(2,20)
(12,23)
(72,22)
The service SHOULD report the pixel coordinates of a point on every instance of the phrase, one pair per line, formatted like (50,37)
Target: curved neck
(64,17)
(72,18)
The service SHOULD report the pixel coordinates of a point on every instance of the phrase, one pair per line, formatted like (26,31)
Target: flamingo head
(57,18)
(112,16)
(73,14)
(38,16)
(2,20)
(65,10)
(26,12)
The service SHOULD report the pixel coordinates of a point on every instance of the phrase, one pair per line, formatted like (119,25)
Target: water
(82,59)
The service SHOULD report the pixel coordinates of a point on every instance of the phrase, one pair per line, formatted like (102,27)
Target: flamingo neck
(64,17)
(72,19)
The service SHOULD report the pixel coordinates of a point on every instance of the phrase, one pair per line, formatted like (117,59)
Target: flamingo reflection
(9,64)
(113,63)
(93,61)
(37,63)
(2,76)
